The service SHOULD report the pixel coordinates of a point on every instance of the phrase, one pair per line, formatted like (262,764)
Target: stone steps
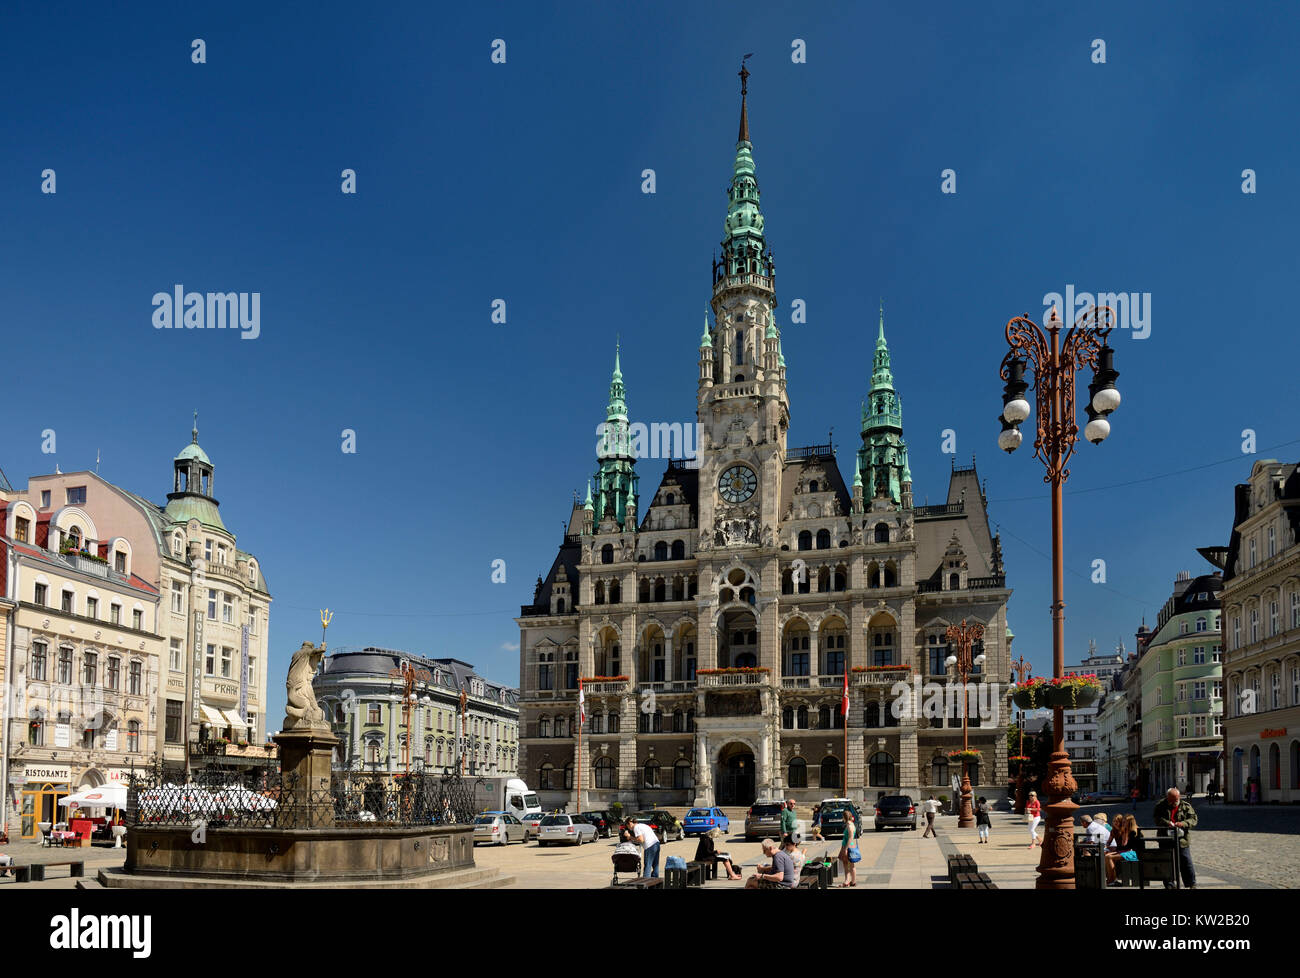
(469,878)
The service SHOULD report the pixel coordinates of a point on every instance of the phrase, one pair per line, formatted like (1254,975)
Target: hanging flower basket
(1015,761)
(969,755)
(1029,695)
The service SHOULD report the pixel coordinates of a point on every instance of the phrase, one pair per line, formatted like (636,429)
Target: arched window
(543,726)
(133,736)
(669,499)
(599,592)
(787,581)
(679,721)
(612,722)
(682,775)
(679,550)
(882,772)
(830,772)
(661,551)
(841,579)
(812,486)
(615,593)
(798,773)
(652,774)
(559,606)
(939,771)
(559,726)
(607,554)
(823,539)
(823,717)
(787,718)
(643,590)
(545,776)
(661,590)
(882,533)
(954,582)
(801,718)
(568,776)
(805,540)
(871,717)
(605,773)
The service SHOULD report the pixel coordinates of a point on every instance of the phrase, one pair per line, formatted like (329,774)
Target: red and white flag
(582,703)
(844,704)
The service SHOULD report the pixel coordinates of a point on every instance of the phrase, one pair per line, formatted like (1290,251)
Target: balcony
(812,682)
(732,680)
(742,389)
(614,687)
(732,281)
(231,571)
(672,686)
(882,677)
(943,509)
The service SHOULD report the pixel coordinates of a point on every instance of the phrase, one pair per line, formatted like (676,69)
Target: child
(982,820)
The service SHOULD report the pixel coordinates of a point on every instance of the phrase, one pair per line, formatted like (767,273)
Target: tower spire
(744,90)
(883,456)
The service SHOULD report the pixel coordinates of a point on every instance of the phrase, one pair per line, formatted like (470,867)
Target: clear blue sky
(522,181)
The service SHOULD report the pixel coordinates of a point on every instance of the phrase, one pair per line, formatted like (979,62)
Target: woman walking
(1035,812)
(982,820)
(849,848)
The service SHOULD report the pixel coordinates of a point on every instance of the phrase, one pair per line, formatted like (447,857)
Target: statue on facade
(301,711)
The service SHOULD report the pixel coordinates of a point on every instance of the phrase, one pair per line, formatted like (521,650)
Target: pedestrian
(817,823)
(1254,791)
(1133,796)
(931,808)
(849,854)
(1099,831)
(1035,813)
(707,851)
(644,836)
(1212,789)
(6,862)
(982,819)
(1177,816)
(789,819)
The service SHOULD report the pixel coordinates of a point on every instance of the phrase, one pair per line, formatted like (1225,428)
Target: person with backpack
(982,820)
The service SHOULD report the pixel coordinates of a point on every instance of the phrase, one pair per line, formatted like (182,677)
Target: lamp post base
(1056,868)
(967,817)
(1020,791)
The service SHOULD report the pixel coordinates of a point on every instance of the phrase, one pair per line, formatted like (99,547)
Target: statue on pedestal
(301,711)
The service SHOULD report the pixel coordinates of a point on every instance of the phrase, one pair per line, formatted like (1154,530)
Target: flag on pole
(844,703)
(582,703)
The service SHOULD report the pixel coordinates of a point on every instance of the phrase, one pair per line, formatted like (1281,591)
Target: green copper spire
(705,339)
(586,503)
(857,472)
(744,249)
(883,456)
(615,476)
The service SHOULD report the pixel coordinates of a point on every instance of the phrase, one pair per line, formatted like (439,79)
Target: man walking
(644,836)
(789,820)
(931,808)
(1179,817)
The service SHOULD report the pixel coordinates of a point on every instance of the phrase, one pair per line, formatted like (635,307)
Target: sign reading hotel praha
(49,772)
(198,666)
(1270,734)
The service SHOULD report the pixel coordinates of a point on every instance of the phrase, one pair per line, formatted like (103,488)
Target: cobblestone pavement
(1255,845)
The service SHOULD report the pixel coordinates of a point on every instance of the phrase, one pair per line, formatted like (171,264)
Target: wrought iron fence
(220,796)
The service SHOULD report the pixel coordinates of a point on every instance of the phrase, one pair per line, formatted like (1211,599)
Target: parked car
(571,830)
(604,824)
(499,828)
(667,828)
(832,816)
(531,823)
(894,810)
(763,818)
(701,820)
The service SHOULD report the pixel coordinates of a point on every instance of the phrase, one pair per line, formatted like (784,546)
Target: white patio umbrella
(107,796)
(237,797)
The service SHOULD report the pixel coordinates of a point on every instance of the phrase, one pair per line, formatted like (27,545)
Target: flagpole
(577,767)
(846,731)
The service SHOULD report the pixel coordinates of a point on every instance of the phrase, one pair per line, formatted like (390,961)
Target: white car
(567,829)
(499,828)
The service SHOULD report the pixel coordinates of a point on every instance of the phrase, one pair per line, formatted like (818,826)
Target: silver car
(571,830)
(499,828)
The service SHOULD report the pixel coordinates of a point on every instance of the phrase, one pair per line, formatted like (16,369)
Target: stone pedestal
(306,757)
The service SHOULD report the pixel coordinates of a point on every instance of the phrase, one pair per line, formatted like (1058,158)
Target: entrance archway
(736,775)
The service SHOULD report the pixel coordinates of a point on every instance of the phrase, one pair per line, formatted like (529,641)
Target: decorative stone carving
(301,711)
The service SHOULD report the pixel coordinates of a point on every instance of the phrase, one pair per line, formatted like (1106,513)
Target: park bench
(961,863)
(640,883)
(974,881)
(680,879)
(36,871)
(820,872)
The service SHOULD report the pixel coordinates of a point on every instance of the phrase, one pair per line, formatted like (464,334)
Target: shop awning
(213,716)
(232,718)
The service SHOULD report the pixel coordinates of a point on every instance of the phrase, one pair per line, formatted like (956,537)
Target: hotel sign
(198,666)
(243,673)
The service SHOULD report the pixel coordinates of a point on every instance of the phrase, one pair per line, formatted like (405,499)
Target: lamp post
(1023,671)
(965,636)
(1055,360)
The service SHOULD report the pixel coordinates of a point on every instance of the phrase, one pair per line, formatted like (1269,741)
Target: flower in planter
(964,754)
(904,667)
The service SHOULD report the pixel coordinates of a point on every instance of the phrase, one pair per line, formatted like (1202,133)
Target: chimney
(1181,582)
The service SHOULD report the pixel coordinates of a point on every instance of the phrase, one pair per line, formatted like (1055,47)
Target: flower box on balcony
(732,671)
(899,668)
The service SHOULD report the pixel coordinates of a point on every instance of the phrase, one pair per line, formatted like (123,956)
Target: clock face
(737,484)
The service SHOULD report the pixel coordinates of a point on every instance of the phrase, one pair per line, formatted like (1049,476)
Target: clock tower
(743,411)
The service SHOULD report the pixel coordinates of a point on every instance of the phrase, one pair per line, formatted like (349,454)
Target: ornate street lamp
(965,636)
(1055,360)
(1023,671)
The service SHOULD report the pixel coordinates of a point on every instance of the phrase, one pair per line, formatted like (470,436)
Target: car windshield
(485,820)
(896,800)
(556,820)
(767,810)
(699,813)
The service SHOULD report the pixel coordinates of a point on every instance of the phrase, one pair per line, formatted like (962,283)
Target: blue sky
(521,181)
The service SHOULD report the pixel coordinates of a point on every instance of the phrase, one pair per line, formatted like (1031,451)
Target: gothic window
(600,592)
(545,776)
(823,717)
(891,576)
(682,774)
(679,549)
(660,590)
(805,540)
(740,350)
(607,554)
(841,582)
(801,718)
(652,774)
(823,539)
(798,774)
(661,551)
(871,717)
(787,718)
(939,771)
(882,533)
(643,590)
(615,593)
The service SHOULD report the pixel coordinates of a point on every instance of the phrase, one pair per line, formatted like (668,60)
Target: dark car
(763,818)
(604,824)
(895,810)
(665,826)
(832,816)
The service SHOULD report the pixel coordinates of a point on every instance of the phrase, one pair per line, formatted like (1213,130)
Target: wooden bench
(1157,862)
(77,868)
(961,863)
(708,867)
(974,881)
(818,872)
(640,883)
(810,881)
(680,879)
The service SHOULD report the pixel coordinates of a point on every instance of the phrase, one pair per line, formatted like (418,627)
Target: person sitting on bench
(1122,847)
(707,851)
(6,862)
(779,873)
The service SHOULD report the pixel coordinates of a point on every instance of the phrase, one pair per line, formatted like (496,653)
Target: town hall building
(714,621)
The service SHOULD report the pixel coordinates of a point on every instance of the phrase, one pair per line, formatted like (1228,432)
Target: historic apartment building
(1081,726)
(712,620)
(1261,610)
(211,600)
(1181,686)
(361,693)
(82,655)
